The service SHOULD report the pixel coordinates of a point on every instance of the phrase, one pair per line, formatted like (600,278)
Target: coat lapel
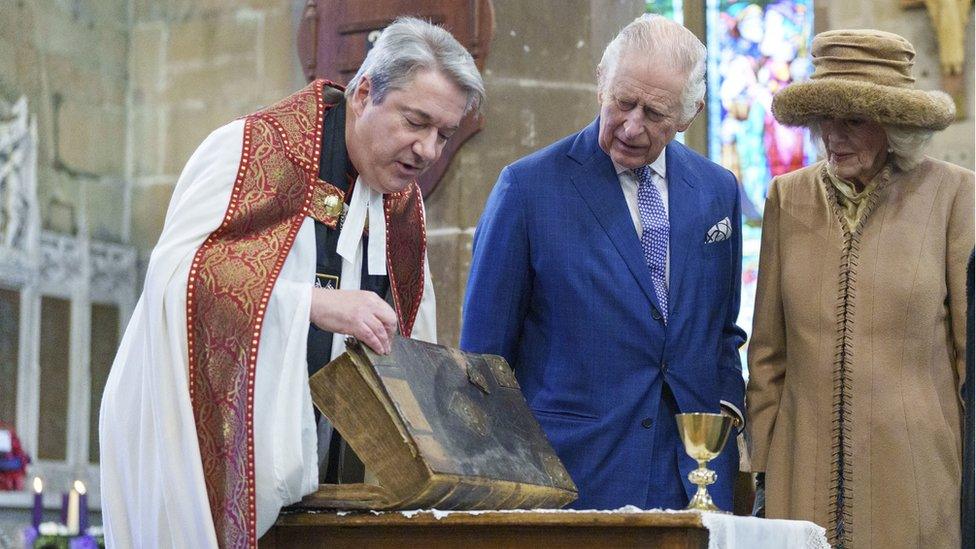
(684,209)
(596,181)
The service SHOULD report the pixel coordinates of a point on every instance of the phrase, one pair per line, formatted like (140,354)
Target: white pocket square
(719,231)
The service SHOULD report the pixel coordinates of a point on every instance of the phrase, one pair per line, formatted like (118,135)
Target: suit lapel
(596,181)
(684,209)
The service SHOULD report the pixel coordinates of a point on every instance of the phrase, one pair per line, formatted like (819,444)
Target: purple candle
(82,507)
(38,502)
(64,508)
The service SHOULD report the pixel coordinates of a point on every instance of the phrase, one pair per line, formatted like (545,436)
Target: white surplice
(152,485)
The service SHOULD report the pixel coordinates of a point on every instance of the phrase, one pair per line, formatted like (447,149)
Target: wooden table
(494,529)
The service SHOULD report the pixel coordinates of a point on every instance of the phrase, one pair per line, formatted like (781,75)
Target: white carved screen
(18,191)
(41,265)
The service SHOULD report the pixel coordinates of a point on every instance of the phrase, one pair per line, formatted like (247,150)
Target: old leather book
(438,428)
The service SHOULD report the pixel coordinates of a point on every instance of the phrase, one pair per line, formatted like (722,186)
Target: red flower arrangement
(13,463)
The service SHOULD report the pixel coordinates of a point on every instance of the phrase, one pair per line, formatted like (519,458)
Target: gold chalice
(704,436)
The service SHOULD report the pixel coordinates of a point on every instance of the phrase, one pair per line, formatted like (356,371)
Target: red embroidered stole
(231,279)
(405,248)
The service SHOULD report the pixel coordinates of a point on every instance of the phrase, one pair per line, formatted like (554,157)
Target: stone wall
(70,60)
(195,66)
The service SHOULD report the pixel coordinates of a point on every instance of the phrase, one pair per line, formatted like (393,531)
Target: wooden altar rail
(489,529)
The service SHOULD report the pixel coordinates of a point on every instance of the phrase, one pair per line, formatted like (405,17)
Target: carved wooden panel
(335,35)
(55,363)
(102,346)
(9,354)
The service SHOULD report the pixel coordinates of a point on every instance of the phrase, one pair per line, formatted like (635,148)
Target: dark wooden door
(335,35)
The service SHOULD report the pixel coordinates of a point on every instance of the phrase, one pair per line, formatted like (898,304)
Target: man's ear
(599,85)
(684,127)
(362,95)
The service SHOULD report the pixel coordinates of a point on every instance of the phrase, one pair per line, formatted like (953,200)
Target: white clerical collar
(659,166)
(365,201)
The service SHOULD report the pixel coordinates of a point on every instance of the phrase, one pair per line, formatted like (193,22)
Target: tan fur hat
(863,74)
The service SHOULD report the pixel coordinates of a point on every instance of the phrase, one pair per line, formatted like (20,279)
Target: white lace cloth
(732,532)
(724,531)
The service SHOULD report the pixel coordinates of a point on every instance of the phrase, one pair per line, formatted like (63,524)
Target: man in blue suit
(606,270)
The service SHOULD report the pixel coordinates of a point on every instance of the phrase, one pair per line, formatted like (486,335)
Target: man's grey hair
(663,40)
(906,145)
(410,45)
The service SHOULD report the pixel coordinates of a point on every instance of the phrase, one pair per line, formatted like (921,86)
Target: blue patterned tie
(656,234)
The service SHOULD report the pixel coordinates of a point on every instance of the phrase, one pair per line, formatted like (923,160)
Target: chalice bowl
(704,436)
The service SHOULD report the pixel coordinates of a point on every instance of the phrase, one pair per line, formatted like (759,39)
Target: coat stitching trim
(841,527)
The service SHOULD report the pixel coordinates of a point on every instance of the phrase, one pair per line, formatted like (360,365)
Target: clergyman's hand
(361,314)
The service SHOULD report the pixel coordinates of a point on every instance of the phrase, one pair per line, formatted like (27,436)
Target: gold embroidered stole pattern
(231,279)
(230,283)
(406,238)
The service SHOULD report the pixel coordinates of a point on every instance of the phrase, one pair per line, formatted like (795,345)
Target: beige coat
(857,356)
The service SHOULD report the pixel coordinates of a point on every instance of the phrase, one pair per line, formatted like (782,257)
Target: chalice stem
(702,477)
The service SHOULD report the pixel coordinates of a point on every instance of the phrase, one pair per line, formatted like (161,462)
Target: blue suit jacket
(560,288)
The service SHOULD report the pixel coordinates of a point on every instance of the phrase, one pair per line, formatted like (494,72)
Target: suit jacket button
(655,314)
(664,367)
(647,422)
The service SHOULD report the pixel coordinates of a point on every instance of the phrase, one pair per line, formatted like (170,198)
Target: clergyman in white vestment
(206,425)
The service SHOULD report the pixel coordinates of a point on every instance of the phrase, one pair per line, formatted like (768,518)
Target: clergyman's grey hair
(410,45)
(666,41)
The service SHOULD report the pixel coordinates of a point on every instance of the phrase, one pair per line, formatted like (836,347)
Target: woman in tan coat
(858,346)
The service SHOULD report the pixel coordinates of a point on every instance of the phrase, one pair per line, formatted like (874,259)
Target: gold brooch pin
(333,206)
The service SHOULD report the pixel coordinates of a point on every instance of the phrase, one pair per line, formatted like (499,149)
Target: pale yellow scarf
(853,203)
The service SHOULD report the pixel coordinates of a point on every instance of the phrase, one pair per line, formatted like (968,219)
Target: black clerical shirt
(335,167)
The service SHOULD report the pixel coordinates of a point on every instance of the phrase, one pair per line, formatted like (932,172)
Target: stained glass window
(672,9)
(754,50)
